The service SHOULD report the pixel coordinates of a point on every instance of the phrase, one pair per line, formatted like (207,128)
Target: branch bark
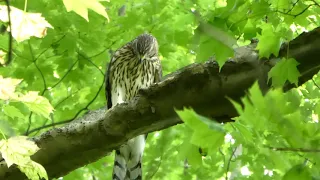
(200,86)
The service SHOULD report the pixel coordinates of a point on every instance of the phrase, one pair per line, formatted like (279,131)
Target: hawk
(133,66)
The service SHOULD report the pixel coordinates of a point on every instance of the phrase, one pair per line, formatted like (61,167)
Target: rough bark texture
(200,86)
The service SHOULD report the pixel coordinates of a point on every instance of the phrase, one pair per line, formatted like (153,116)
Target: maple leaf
(23,24)
(269,42)
(7,87)
(284,70)
(81,7)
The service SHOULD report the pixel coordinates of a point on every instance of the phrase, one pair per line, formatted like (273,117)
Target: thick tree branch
(200,86)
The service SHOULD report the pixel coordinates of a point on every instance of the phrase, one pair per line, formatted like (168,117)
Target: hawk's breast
(129,77)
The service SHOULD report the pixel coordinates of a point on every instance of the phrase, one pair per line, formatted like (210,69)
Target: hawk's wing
(158,73)
(108,85)
(108,88)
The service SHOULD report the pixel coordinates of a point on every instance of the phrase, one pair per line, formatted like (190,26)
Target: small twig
(44,124)
(314,82)
(49,47)
(47,126)
(81,110)
(34,61)
(306,159)
(229,162)
(151,176)
(43,79)
(93,99)
(293,5)
(69,120)
(316,3)
(62,78)
(293,149)
(112,43)
(86,58)
(224,160)
(63,100)
(295,15)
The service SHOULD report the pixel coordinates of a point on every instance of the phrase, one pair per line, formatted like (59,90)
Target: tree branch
(200,86)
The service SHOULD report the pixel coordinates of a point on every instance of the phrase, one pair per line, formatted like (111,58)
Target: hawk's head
(145,47)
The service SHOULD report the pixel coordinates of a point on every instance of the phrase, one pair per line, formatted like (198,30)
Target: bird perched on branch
(133,66)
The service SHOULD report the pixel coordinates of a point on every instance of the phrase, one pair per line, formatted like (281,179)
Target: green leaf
(297,172)
(12,112)
(8,87)
(206,133)
(269,42)
(249,30)
(210,46)
(17,150)
(81,7)
(67,43)
(244,131)
(191,152)
(285,69)
(281,4)
(33,170)
(207,139)
(37,104)
(222,53)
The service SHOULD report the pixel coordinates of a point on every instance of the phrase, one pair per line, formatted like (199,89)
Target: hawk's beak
(141,59)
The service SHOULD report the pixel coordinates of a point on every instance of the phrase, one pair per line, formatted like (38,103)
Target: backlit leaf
(12,112)
(269,42)
(17,150)
(24,25)
(7,87)
(37,104)
(81,7)
(285,69)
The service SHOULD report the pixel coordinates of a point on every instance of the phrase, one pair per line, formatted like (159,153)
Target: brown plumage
(133,66)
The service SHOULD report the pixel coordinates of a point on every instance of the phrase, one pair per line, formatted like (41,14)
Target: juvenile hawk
(135,65)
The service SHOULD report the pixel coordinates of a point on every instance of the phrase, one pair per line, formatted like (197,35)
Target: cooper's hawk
(135,65)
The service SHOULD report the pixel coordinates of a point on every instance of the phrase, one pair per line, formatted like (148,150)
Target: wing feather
(108,85)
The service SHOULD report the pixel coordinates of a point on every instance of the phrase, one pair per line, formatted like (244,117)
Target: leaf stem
(25,5)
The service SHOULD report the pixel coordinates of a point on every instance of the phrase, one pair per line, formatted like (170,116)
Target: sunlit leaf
(17,150)
(206,133)
(33,170)
(37,104)
(24,25)
(7,87)
(269,42)
(284,70)
(81,7)
(12,112)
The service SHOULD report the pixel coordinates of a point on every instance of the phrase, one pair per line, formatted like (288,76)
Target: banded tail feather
(128,160)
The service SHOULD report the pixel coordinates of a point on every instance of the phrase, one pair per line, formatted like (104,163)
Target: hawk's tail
(123,172)
(127,162)
(135,170)
(120,168)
